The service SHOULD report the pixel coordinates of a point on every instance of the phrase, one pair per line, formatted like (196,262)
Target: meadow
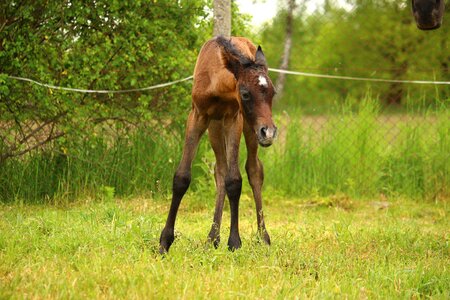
(332,247)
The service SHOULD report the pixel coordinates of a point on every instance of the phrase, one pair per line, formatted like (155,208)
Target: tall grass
(140,163)
(364,154)
(359,152)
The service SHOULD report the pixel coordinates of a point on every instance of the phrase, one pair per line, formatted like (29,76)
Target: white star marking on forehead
(263,81)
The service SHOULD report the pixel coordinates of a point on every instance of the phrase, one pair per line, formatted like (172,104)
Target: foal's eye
(245,95)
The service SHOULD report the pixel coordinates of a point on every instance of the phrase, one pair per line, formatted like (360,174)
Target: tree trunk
(222,18)
(287,48)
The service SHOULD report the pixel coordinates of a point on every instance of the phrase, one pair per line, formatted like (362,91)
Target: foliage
(373,38)
(322,248)
(102,45)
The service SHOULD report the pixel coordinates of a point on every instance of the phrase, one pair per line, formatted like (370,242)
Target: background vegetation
(362,139)
(374,39)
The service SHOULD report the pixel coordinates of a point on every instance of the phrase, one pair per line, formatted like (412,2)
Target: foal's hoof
(234,243)
(214,236)
(265,237)
(215,240)
(165,241)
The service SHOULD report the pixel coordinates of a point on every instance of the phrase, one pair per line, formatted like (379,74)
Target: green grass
(333,247)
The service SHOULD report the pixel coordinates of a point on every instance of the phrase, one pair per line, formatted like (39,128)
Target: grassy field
(333,247)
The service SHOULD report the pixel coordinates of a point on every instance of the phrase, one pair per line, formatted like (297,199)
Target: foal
(231,94)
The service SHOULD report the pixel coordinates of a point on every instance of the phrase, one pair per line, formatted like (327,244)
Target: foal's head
(254,88)
(428,13)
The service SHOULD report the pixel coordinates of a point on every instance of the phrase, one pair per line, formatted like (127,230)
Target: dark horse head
(254,89)
(428,13)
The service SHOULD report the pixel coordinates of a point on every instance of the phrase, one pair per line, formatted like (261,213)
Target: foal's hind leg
(255,173)
(216,137)
(195,127)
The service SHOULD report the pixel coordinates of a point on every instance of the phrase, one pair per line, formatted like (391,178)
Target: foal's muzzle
(266,135)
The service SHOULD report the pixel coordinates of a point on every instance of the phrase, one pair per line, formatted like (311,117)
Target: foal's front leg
(195,127)
(255,173)
(217,139)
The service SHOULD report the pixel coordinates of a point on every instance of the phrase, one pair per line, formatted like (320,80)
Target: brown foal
(231,94)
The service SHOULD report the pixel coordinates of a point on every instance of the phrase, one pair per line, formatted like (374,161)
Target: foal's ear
(260,59)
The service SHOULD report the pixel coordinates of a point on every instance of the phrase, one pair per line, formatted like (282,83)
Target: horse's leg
(216,137)
(233,179)
(255,173)
(195,127)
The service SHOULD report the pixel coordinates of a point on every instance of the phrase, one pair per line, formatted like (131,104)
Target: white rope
(101,91)
(358,78)
(157,86)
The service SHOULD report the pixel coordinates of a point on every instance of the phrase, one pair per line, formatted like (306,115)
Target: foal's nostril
(266,135)
(267,132)
(263,131)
